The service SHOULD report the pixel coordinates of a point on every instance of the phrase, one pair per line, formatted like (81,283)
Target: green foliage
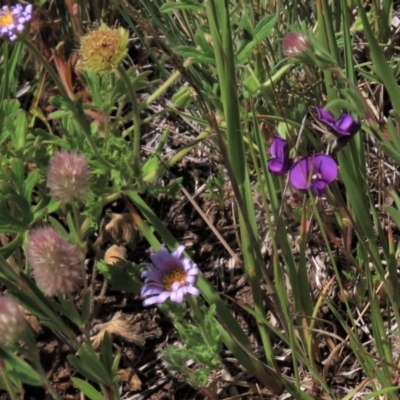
(217,73)
(125,278)
(202,345)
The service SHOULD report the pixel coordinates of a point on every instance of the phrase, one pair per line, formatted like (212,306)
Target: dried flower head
(68,176)
(295,44)
(115,255)
(313,173)
(57,265)
(172,276)
(103,49)
(12,320)
(13,19)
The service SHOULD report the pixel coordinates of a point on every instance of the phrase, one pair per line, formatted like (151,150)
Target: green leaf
(182,5)
(395,214)
(196,55)
(126,277)
(263,29)
(20,369)
(106,357)
(87,389)
(18,134)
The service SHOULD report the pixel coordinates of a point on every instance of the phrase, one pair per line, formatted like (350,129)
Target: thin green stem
(9,386)
(136,121)
(199,318)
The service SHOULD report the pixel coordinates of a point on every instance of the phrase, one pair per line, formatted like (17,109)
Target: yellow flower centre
(6,19)
(176,274)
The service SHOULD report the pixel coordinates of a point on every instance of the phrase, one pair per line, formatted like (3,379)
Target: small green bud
(102,50)
(183,96)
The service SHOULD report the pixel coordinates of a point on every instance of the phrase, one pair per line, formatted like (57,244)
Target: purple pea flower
(344,128)
(172,276)
(313,172)
(280,162)
(13,19)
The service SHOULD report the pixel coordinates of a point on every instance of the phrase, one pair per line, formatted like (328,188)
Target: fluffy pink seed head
(295,44)
(68,176)
(12,320)
(57,265)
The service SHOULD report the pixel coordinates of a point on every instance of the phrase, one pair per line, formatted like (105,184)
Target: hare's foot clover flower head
(13,19)
(280,162)
(102,50)
(12,320)
(313,172)
(57,265)
(344,128)
(295,44)
(172,276)
(68,177)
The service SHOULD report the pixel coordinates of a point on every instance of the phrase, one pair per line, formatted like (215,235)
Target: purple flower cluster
(172,276)
(313,172)
(13,19)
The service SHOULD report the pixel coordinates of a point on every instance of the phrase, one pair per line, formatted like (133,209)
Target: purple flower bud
(172,276)
(344,128)
(68,176)
(313,172)
(12,320)
(13,19)
(295,44)
(280,162)
(57,265)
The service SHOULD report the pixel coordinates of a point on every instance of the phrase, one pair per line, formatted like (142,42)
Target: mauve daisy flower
(13,19)
(280,162)
(313,173)
(172,276)
(68,176)
(57,265)
(12,320)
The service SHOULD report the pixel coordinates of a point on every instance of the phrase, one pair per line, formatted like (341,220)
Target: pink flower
(68,176)
(57,265)
(12,320)
(295,44)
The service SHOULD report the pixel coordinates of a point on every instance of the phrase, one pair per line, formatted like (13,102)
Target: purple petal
(177,296)
(163,296)
(193,271)
(151,290)
(279,148)
(326,166)
(150,301)
(178,252)
(318,187)
(308,171)
(325,116)
(277,166)
(163,260)
(347,126)
(299,175)
(192,290)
